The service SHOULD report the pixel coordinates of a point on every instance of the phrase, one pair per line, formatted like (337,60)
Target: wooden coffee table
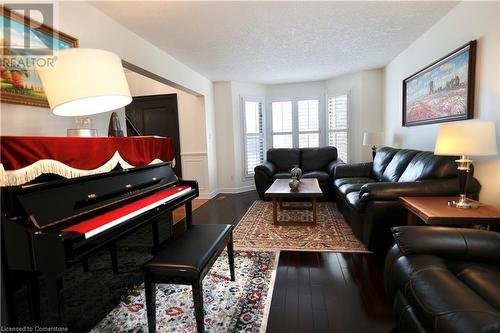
(279,191)
(435,211)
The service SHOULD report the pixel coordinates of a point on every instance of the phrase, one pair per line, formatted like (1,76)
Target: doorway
(156,115)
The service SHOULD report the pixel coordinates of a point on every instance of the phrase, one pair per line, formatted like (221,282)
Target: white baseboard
(234,190)
(208,195)
(213,194)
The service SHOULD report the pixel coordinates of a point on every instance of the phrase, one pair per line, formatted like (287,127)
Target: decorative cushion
(382,159)
(284,159)
(398,164)
(313,159)
(426,165)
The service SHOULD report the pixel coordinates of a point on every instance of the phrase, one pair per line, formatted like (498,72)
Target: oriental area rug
(330,234)
(240,306)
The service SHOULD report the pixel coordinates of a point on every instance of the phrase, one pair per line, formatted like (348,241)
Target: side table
(435,211)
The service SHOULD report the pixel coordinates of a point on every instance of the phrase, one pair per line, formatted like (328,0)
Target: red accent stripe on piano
(96,222)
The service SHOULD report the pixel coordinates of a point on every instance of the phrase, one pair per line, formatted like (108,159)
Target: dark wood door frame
(157,115)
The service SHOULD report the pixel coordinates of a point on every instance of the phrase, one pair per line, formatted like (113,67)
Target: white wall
(93,29)
(365,109)
(467,21)
(228,136)
(192,132)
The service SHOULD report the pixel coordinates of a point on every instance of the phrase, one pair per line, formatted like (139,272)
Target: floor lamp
(464,139)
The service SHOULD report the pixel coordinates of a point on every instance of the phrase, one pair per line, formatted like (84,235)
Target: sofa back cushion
(398,165)
(382,159)
(316,159)
(284,159)
(426,165)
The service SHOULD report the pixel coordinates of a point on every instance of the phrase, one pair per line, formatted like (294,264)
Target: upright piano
(49,226)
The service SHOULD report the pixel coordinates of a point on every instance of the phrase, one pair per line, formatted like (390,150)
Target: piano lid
(61,201)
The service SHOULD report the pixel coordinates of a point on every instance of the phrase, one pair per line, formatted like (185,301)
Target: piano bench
(186,261)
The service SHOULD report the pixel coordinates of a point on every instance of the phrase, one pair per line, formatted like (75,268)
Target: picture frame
(442,91)
(21,84)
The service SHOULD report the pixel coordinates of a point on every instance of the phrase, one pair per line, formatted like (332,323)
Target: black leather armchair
(444,279)
(368,193)
(317,163)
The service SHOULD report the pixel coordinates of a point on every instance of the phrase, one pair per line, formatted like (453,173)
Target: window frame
(245,175)
(333,94)
(295,119)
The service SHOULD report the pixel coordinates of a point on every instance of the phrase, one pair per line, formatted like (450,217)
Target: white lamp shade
(85,81)
(470,138)
(373,139)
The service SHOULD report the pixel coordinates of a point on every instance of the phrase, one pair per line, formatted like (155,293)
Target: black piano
(50,226)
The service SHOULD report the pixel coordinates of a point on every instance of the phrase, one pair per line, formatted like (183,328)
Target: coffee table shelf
(280,191)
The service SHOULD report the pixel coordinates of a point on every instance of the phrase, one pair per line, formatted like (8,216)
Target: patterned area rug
(256,230)
(240,306)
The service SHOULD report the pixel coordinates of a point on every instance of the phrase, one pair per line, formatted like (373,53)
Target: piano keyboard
(98,224)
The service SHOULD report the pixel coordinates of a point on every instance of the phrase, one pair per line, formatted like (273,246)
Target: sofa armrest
(353,170)
(267,167)
(453,243)
(386,191)
(332,166)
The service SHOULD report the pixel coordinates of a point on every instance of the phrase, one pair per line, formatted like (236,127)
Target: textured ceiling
(278,42)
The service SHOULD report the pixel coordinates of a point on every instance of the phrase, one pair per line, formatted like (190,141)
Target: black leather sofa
(444,279)
(317,163)
(368,193)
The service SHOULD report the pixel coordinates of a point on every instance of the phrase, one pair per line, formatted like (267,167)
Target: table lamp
(84,82)
(373,139)
(466,138)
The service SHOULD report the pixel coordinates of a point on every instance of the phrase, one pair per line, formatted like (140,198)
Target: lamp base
(463,203)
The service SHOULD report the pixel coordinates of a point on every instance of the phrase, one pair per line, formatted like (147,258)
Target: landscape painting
(20,83)
(443,91)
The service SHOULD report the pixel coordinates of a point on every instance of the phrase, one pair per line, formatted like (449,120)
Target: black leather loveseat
(368,193)
(444,279)
(315,163)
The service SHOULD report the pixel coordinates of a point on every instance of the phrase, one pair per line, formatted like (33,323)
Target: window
(282,120)
(337,124)
(254,135)
(295,123)
(308,115)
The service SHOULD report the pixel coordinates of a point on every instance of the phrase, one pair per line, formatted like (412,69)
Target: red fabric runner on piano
(83,153)
(113,215)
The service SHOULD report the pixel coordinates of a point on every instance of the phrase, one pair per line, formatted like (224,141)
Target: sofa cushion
(482,278)
(348,188)
(322,176)
(353,200)
(398,164)
(313,159)
(445,304)
(282,175)
(353,180)
(382,159)
(426,165)
(284,159)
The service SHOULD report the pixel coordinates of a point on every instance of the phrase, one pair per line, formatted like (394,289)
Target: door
(156,115)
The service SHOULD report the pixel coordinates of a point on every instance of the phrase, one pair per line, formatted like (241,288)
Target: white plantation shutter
(282,120)
(338,124)
(254,135)
(308,119)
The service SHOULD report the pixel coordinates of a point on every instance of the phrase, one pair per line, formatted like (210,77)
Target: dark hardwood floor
(315,291)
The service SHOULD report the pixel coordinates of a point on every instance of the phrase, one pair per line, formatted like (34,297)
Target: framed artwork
(20,83)
(443,91)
